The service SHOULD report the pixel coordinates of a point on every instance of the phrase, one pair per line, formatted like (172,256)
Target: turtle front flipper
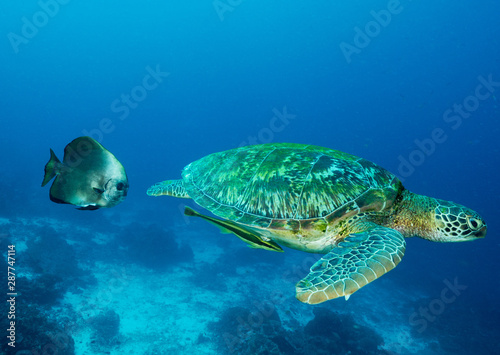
(254,240)
(173,188)
(357,261)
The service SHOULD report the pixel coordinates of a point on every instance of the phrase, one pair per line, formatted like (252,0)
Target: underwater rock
(106,330)
(340,334)
(44,290)
(50,253)
(53,265)
(327,323)
(240,331)
(37,334)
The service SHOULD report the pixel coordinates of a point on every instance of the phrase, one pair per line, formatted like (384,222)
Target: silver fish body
(89,176)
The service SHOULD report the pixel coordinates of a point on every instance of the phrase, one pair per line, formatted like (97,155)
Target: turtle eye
(474,223)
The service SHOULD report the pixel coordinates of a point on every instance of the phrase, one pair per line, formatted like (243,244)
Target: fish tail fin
(188,211)
(51,168)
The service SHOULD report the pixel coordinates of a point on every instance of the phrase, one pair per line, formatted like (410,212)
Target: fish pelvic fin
(51,168)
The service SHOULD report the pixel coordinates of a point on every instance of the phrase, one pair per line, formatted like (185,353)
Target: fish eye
(120,186)
(474,223)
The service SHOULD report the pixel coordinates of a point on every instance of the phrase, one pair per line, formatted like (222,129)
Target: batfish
(89,176)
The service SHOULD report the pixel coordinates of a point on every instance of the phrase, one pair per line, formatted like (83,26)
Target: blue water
(413,86)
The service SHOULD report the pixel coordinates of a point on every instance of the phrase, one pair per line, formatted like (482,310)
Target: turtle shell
(282,185)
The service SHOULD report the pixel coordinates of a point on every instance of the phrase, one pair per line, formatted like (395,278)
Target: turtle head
(456,223)
(437,220)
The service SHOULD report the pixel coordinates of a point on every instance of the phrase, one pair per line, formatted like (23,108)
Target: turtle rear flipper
(359,259)
(173,188)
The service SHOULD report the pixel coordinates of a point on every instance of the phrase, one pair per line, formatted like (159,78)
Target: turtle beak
(481,233)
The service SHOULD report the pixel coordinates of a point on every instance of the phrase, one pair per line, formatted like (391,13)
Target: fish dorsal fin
(81,148)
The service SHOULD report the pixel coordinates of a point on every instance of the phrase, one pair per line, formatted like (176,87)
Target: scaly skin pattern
(293,191)
(372,243)
(170,188)
(358,260)
(434,219)
(304,197)
(325,201)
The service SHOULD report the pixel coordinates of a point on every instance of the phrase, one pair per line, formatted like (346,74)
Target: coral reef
(106,330)
(339,333)
(50,253)
(240,331)
(37,334)
(44,290)
(54,267)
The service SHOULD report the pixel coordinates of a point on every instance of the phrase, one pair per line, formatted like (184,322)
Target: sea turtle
(319,200)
